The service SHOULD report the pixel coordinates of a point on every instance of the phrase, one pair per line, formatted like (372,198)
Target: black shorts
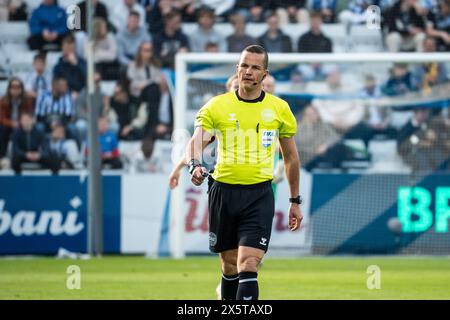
(240,215)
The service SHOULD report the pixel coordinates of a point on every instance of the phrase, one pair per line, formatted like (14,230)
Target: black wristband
(297,200)
(193,163)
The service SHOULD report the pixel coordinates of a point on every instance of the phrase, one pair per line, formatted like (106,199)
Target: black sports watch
(193,163)
(297,200)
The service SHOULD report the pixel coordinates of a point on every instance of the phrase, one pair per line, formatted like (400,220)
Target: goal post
(183,119)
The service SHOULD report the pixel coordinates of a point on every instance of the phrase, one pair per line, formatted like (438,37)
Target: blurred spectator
(297,80)
(355,13)
(269,84)
(100,11)
(232,83)
(205,32)
(62,153)
(274,40)
(292,11)
(252,10)
(377,118)
(148,6)
(220,8)
(438,25)
(427,6)
(71,67)
(345,115)
(406,27)
(211,47)
(38,80)
(132,116)
(312,72)
(314,41)
(399,82)
(170,40)
(238,40)
(28,143)
(105,50)
(56,106)
(48,26)
(101,103)
(144,71)
(12,105)
(187,8)
(130,38)
(147,84)
(419,145)
(441,125)
(427,75)
(327,9)
(109,145)
(121,11)
(155,16)
(13,10)
(318,141)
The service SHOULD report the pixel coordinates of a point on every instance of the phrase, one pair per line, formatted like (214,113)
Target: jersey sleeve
(204,118)
(288,122)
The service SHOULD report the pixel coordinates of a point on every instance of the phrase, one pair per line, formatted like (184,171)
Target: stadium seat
(361,158)
(3,86)
(21,61)
(385,158)
(32,4)
(107,87)
(366,40)
(52,59)
(67,3)
(14,31)
(361,39)
(10,48)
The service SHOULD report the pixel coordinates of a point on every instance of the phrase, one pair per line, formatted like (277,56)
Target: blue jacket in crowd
(52,18)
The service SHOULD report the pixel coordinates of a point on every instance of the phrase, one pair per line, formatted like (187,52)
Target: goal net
(374,141)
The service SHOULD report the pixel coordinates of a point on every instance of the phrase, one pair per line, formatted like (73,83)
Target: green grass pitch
(133,277)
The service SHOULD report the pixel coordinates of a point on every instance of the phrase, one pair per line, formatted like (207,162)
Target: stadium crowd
(43,114)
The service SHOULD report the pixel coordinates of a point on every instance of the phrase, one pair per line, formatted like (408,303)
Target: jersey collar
(259,99)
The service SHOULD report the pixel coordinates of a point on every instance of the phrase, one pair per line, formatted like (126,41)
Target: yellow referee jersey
(247,133)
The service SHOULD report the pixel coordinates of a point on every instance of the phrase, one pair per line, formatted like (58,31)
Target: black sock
(229,287)
(248,286)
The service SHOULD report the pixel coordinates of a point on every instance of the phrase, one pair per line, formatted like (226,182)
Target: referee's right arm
(200,139)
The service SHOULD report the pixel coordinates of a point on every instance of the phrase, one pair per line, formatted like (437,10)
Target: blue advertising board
(40,214)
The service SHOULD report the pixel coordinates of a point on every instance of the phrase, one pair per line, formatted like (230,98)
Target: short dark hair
(205,11)
(315,14)
(134,13)
(255,48)
(70,38)
(171,14)
(40,56)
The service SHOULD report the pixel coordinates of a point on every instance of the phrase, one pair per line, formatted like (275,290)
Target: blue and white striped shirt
(47,104)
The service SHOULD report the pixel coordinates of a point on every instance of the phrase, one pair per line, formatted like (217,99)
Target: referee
(241,205)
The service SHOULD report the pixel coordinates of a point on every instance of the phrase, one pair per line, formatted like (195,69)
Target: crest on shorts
(212,239)
(268,137)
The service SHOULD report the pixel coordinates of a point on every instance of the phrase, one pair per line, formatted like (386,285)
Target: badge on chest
(268,137)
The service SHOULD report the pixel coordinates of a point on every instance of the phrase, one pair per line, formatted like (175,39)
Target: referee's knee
(249,264)
(229,268)
(229,263)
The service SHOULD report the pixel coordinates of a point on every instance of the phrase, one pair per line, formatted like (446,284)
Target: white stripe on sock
(230,279)
(248,280)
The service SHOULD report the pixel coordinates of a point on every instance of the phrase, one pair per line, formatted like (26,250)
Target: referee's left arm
(292,169)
